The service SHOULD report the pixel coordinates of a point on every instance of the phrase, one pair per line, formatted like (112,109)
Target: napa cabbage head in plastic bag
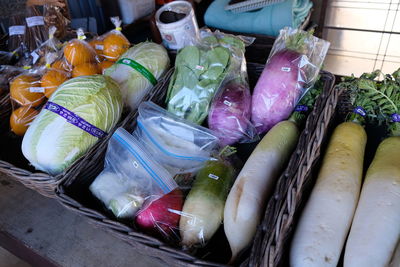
(138,70)
(77,115)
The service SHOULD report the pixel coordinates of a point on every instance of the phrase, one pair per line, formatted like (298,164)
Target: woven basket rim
(168,253)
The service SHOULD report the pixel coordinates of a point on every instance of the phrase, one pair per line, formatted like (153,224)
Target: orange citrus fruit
(85,69)
(26,90)
(114,46)
(78,52)
(51,80)
(21,118)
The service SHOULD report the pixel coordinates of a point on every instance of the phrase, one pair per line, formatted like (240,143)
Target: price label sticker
(35,21)
(37,89)
(16,30)
(99,47)
(213,176)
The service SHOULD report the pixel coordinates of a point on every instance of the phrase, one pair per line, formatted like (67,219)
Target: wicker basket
(74,195)
(87,165)
(273,235)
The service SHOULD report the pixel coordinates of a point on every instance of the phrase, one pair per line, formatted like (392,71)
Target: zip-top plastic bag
(180,146)
(131,178)
(199,72)
(291,70)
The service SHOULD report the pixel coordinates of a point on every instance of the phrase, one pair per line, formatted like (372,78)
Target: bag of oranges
(81,57)
(27,96)
(112,45)
(53,77)
(30,90)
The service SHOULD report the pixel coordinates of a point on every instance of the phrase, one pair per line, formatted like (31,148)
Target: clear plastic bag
(180,146)
(52,77)
(36,32)
(131,179)
(78,52)
(230,111)
(26,96)
(199,72)
(291,70)
(113,44)
(56,16)
(52,45)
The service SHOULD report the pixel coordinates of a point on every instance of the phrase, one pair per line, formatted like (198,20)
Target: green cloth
(267,21)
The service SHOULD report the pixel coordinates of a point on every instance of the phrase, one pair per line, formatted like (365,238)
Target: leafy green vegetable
(379,99)
(199,72)
(51,143)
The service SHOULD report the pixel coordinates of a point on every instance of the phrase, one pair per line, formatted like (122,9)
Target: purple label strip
(396,117)
(75,119)
(360,111)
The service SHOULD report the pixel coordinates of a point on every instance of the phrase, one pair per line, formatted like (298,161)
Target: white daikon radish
(375,230)
(248,196)
(326,219)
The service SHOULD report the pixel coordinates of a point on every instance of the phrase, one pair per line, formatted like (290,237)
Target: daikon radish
(375,231)
(326,219)
(247,198)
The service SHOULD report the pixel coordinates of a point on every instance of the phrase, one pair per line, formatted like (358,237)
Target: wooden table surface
(43,233)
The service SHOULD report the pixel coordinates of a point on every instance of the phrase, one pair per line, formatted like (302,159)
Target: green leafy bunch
(379,99)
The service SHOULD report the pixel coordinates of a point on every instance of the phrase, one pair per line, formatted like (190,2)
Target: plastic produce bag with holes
(180,146)
(290,71)
(27,97)
(111,45)
(131,178)
(199,72)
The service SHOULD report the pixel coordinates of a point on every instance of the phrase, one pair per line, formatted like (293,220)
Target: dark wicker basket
(86,165)
(74,195)
(273,235)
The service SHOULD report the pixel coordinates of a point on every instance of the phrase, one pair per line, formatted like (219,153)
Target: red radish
(162,215)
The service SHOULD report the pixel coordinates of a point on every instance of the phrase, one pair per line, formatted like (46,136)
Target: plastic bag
(80,57)
(180,146)
(131,178)
(36,32)
(16,32)
(56,16)
(51,45)
(26,96)
(7,73)
(291,70)
(52,77)
(200,71)
(230,111)
(112,44)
